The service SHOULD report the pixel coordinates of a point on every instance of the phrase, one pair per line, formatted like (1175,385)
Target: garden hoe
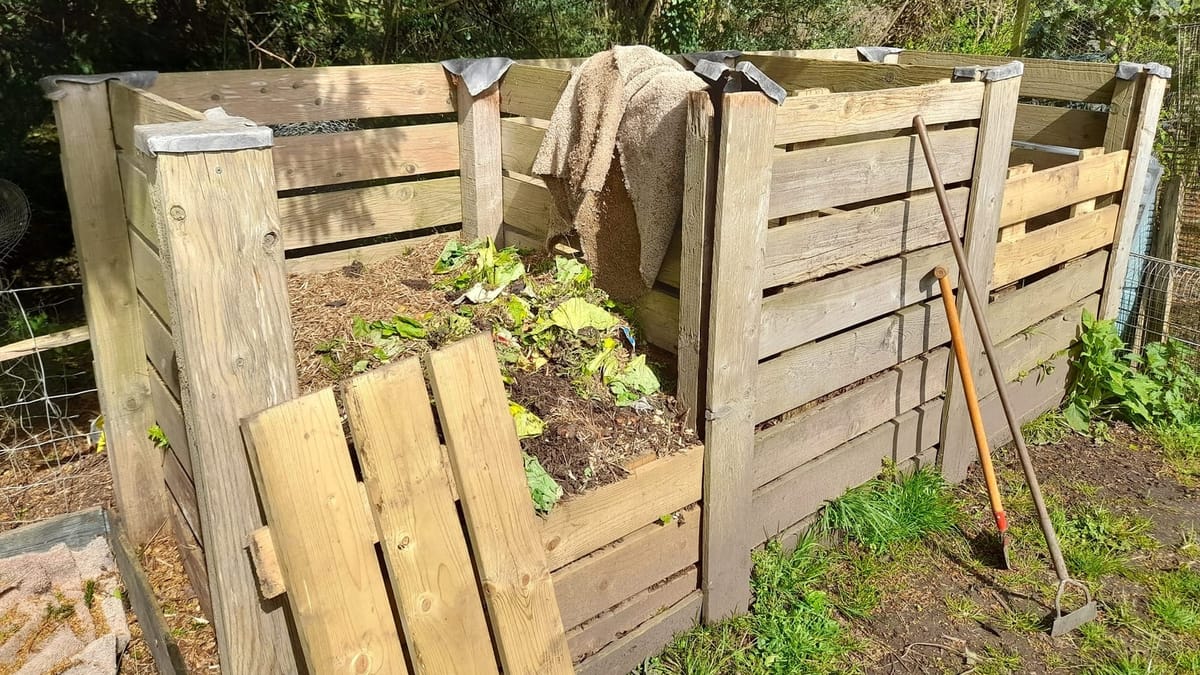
(1062,623)
(968,383)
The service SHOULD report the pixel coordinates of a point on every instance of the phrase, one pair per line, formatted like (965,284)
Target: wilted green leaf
(575,314)
(570,270)
(544,491)
(528,424)
(634,381)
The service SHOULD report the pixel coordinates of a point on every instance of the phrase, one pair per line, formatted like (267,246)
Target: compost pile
(585,399)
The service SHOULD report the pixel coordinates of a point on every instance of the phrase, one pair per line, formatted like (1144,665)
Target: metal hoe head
(1004,541)
(1065,624)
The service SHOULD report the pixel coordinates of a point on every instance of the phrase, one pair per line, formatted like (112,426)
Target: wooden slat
(147,271)
(194,561)
(160,348)
(839,76)
(169,416)
(600,581)
(803,374)
(1043,78)
(1015,230)
(801,492)
(815,309)
(131,107)
(1030,397)
(520,143)
(812,248)
(423,544)
(810,434)
(73,530)
(645,640)
(1020,354)
(816,178)
(183,490)
(658,316)
(42,343)
(527,206)
(481,179)
(532,91)
(834,54)
(488,470)
(1068,127)
(607,628)
(139,211)
(322,539)
(367,255)
(811,118)
(1053,244)
(1013,312)
(279,95)
(595,519)
(1051,189)
(367,154)
(329,217)
(167,657)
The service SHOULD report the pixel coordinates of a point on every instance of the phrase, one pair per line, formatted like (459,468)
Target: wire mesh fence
(1163,303)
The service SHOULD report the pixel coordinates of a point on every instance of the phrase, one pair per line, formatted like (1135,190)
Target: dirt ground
(949,609)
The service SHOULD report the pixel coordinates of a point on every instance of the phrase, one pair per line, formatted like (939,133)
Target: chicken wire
(1164,303)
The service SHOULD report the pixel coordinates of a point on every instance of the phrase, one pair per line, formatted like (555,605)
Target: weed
(89,593)
(1097,542)
(885,512)
(996,661)
(60,608)
(964,609)
(1181,447)
(1050,427)
(1175,600)
(1096,638)
(1189,543)
(1187,661)
(1129,664)
(855,582)
(727,647)
(1019,621)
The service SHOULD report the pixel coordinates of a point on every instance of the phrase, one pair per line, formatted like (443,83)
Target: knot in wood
(403,543)
(269,241)
(177,213)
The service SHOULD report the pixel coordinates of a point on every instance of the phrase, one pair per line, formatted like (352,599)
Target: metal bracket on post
(138,79)
(724,56)
(218,131)
(1127,70)
(478,74)
(877,54)
(989,74)
(745,76)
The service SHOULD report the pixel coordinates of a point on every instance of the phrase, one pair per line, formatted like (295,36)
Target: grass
(1048,428)
(885,512)
(962,608)
(1097,541)
(1175,601)
(1181,450)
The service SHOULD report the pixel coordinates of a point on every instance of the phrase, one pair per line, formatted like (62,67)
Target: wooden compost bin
(798,296)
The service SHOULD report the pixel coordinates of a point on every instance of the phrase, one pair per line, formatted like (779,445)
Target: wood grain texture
(815,309)
(480,177)
(219,226)
(194,564)
(739,238)
(532,91)
(802,374)
(329,217)
(1051,189)
(94,195)
(322,539)
(528,206)
(819,429)
(139,210)
(366,154)
(1067,127)
(609,627)
(282,95)
(803,250)
(488,470)
(1043,78)
(167,657)
(160,347)
(1122,114)
(148,274)
(1013,312)
(1131,195)
(169,417)
(183,491)
(581,525)
(850,76)
(372,253)
(423,543)
(131,107)
(1030,397)
(817,178)
(626,653)
(44,343)
(520,143)
(811,118)
(1053,244)
(657,314)
(1021,354)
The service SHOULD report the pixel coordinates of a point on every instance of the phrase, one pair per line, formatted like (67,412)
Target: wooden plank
(1043,78)
(43,343)
(282,95)
(528,206)
(131,107)
(1053,244)
(603,630)
(532,91)
(1122,114)
(73,530)
(169,416)
(520,143)
(1030,397)
(989,189)
(192,555)
(812,248)
(1088,204)
(1052,189)
(480,174)
(598,582)
(1020,355)
(800,375)
(139,211)
(93,186)
(488,470)
(323,542)
(1131,196)
(1013,312)
(233,337)
(1015,230)
(160,348)
(581,525)
(819,308)
(366,154)
(694,257)
(148,274)
(738,241)
(157,637)
(1067,127)
(428,563)
(802,491)
(645,640)
(817,430)
(812,118)
(817,178)
(840,76)
(180,485)
(367,255)
(658,317)
(834,54)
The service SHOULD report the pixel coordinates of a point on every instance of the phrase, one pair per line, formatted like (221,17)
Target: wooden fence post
(93,183)
(979,240)
(218,222)
(743,188)
(480,178)
(1141,147)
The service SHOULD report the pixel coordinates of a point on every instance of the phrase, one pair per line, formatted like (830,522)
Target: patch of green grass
(1096,638)
(962,608)
(727,647)
(1187,661)
(1019,621)
(1181,449)
(1129,664)
(995,661)
(1175,601)
(886,512)
(1048,428)
(1097,542)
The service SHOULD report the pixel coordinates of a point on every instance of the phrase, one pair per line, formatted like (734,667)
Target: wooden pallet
(460,586)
